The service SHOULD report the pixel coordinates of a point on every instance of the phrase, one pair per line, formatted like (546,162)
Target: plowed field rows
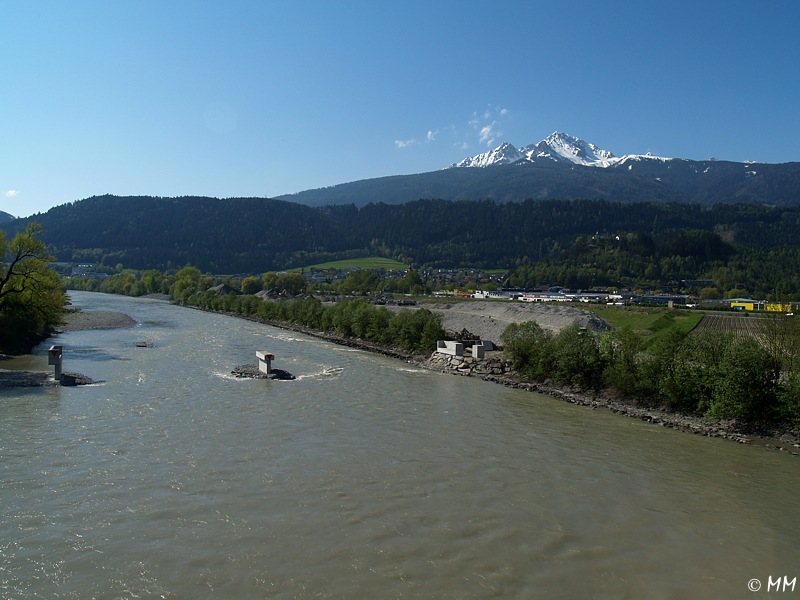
(752,326)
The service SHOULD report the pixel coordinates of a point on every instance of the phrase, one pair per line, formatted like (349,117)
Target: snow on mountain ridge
(573,149)
(558,147)
(504,154)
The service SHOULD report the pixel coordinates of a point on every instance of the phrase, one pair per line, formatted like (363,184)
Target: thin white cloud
(484,126)
(430,137)
(487,124)
(11,193)
(404,143)
(487,133)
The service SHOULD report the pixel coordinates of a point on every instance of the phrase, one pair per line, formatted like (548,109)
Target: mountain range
(564,167)
(495,209)
(557,147)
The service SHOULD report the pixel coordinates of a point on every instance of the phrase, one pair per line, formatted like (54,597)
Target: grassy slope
(649,322)
(370,262)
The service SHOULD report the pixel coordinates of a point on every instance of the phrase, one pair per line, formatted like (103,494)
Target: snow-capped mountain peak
(563,146)
(504,154)
(558,147)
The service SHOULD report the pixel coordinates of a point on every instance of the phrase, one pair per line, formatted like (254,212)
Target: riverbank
(785,440)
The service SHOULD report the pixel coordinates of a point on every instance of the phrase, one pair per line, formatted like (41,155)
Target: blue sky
(261,98)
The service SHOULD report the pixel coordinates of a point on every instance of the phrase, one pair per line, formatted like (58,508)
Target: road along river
(363,478)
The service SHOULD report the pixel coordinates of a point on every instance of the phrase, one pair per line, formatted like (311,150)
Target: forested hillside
(219,235)
(501,183)
(584,242)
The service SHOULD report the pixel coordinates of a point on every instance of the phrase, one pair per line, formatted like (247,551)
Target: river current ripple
(364,478)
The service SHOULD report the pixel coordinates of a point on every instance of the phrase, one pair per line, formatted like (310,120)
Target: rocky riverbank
(494,369)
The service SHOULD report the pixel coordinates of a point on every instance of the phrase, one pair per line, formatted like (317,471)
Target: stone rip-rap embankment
(487,320)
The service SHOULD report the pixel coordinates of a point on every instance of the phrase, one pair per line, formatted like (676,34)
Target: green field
(369,262)
(648,322)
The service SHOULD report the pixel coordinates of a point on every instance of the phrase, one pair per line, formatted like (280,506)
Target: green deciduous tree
(577,358)
(624,364)
(187,282)
(31,296)
(289,283)
(359,282)
(686,369)
(747,386)
(527,347)
(250,285)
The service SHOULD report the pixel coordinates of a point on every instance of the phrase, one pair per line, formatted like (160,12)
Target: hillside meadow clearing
(369,262)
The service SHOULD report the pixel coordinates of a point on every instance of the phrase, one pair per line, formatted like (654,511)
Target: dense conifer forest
(573,243)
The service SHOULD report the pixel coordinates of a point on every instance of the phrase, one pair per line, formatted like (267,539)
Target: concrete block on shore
(450,348)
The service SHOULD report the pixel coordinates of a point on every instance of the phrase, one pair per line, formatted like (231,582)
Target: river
(363,478)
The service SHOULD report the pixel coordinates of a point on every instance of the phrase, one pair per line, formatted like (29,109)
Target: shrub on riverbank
(718,376)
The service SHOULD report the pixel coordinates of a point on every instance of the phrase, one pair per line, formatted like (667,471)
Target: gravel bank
(12,379)
(76,319)
(488,319)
